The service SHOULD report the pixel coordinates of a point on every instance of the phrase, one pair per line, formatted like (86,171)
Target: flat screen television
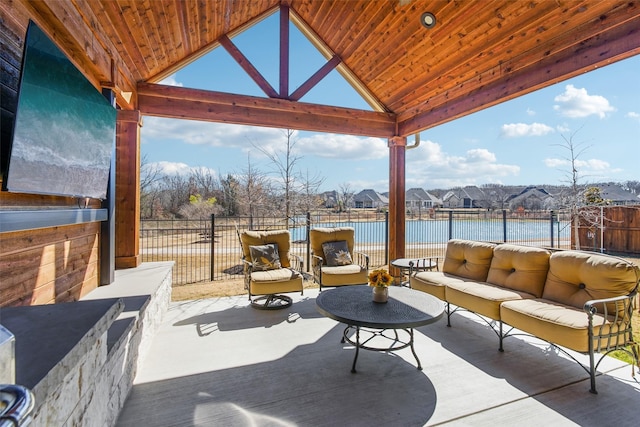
(64,130)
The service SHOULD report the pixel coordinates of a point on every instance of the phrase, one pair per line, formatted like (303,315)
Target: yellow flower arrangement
(380,278)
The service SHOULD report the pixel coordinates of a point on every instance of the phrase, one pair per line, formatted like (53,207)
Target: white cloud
(583,166)
(516,130)
(211,134)
(178,168)
(577,103)
(333,146)
(633,115)
(171,81)
(531,112)
(430,167)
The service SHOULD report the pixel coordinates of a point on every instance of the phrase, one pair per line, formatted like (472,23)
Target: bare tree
(573,179)
(309,198)
(150,177)
(229,199)
(285,162)
(253,190)
(345,197)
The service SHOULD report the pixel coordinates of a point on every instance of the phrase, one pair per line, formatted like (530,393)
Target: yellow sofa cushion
(468,259)
(433,282)
(576,277)
(481,298)
(344,275)
(257,238)
(557,323)
(522,268)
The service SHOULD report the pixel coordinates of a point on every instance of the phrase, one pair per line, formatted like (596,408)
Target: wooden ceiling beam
(247,66)
(195,104)
(614,44)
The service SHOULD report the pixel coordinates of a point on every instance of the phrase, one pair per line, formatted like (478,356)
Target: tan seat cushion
(468,259)
(554,322)
(275,281)
(340,275)
(481,298)
(576,277)
(433,282)
(522,268)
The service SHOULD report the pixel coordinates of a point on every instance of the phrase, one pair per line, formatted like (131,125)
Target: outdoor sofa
(578,300)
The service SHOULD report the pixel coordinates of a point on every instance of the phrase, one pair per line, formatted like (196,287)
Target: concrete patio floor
(219,362)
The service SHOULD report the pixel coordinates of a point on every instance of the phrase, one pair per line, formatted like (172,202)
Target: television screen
(64,130)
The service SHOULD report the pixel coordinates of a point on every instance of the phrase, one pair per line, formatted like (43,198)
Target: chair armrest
(296,262)
(316,267)
(247,269)
(610,338)
(362,259)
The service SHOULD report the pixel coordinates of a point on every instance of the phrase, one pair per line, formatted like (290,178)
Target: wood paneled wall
(48,265)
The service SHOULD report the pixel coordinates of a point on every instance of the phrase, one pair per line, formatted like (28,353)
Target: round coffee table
(405,310)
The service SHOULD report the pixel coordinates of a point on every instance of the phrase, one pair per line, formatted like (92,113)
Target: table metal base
(396,343)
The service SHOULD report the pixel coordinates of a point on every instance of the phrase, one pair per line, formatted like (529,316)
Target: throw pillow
(265,257)
(337,253)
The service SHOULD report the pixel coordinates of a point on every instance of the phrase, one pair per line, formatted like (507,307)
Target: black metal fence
(208,250)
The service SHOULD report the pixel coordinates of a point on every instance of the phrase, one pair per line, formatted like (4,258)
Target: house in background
(329,199)
(370,199)
(467,197)
(417,199)
(616,195)
(531,198)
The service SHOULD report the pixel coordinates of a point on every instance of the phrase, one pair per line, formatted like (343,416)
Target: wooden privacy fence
(609,229)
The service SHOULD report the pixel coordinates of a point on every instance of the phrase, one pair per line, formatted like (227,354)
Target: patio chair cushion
(319,235)
(344,275)
(485,298)
(433,282)
(336,253)
(557,323)
(275,281)
(468,259)
(265,257)
(577,277)
(522,268)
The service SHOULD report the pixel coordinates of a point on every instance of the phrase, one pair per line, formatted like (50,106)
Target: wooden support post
(128,189)
(397,148)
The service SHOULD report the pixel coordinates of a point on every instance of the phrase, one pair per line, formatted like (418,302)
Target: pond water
(440,231)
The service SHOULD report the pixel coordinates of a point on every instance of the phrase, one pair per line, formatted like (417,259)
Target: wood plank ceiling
(478,54)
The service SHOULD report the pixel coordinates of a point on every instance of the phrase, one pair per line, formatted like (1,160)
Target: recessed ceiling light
(428,20)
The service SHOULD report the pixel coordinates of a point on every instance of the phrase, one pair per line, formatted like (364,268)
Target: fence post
(308,241)
(386,237)
(551,226)
(212,256)
(504,225)
(450,224)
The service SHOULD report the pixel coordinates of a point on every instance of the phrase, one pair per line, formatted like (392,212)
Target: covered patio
(221,362)
(218,361)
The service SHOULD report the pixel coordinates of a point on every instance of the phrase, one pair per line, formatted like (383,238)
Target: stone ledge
(80,358)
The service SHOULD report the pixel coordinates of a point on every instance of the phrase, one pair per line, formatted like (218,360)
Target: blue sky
(515,143)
